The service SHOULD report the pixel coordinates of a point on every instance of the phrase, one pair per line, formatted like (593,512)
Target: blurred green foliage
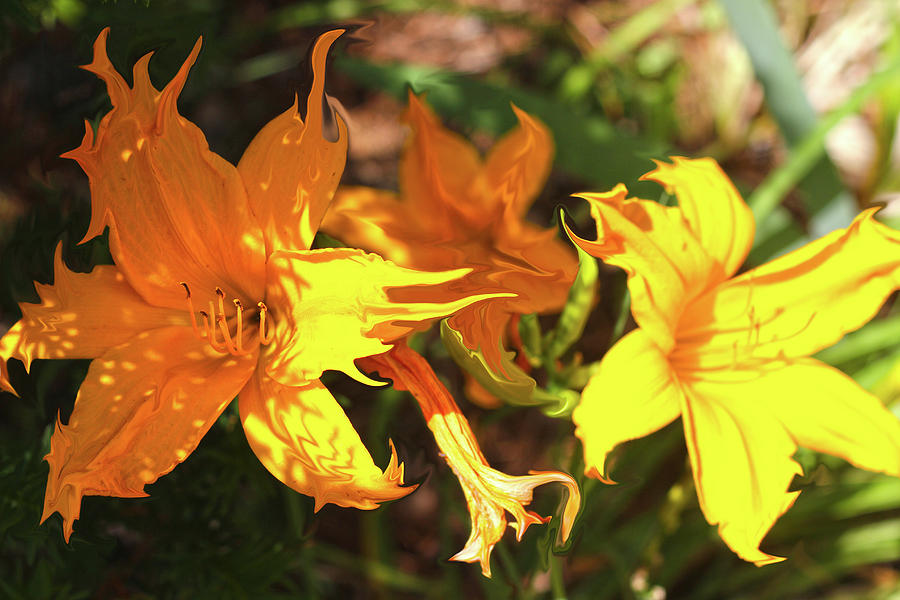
(220,526)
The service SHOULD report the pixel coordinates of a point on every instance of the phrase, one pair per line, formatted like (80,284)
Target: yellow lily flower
(457,209)
(730,354)
(214,294)
(489,493)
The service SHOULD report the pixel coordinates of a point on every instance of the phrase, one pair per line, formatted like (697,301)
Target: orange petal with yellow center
(794,305)
(304,439)
(81,315)
(141,410)
(291,170)
(653,244)
(333,306)
(490,494)
(712,207)
(519,163)
(176,211)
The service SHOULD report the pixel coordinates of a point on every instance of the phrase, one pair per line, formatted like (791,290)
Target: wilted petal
(712,207)
(81,315)
(741,458)
(334,306)
(142,409)
(176,211)
(665,263)
(632,395)
(305,440)
(490,494)
(794,305)
(519,163)
(291,170)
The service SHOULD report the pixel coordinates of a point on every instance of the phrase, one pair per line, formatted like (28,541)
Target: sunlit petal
(304,439)
(176,211)
(291,170)
(825,410)
(712,207)
(665,263)
(380,222)
(81,315)
(142,409)
(334,306)
(490,494)
(796,304)
(741,458)
(632,395)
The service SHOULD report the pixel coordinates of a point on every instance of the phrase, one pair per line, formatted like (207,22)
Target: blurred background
(799,102)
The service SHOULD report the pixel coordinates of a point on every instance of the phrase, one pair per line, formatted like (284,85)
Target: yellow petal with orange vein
(632,395)
(291,170)
(333,306)
(712,207)
(305,440)
(519,163)
(142,409)
(81,315)
(825,410)
(796,304)
(741,459)
(666,265)
(176,211)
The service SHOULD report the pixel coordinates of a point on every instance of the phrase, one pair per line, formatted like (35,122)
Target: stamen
(239,310)
(211,332)
(215,318)
(265,337)
(191,310)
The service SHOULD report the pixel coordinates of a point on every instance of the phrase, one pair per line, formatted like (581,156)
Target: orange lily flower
(190,231)
(731,354)
(456,209)
(489,493)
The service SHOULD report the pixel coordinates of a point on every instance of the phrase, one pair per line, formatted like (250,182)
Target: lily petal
(142,409)
(81,315)
(377,221)
(519,163)
(304,439)
(665,263)
(712,207)
(741,459)
(632,395)
(825,410)
(291,170)
(176,211)
(440,171)
(794,305)
(333,306)
(489,493)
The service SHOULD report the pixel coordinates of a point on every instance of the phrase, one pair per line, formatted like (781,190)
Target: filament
(216,319)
